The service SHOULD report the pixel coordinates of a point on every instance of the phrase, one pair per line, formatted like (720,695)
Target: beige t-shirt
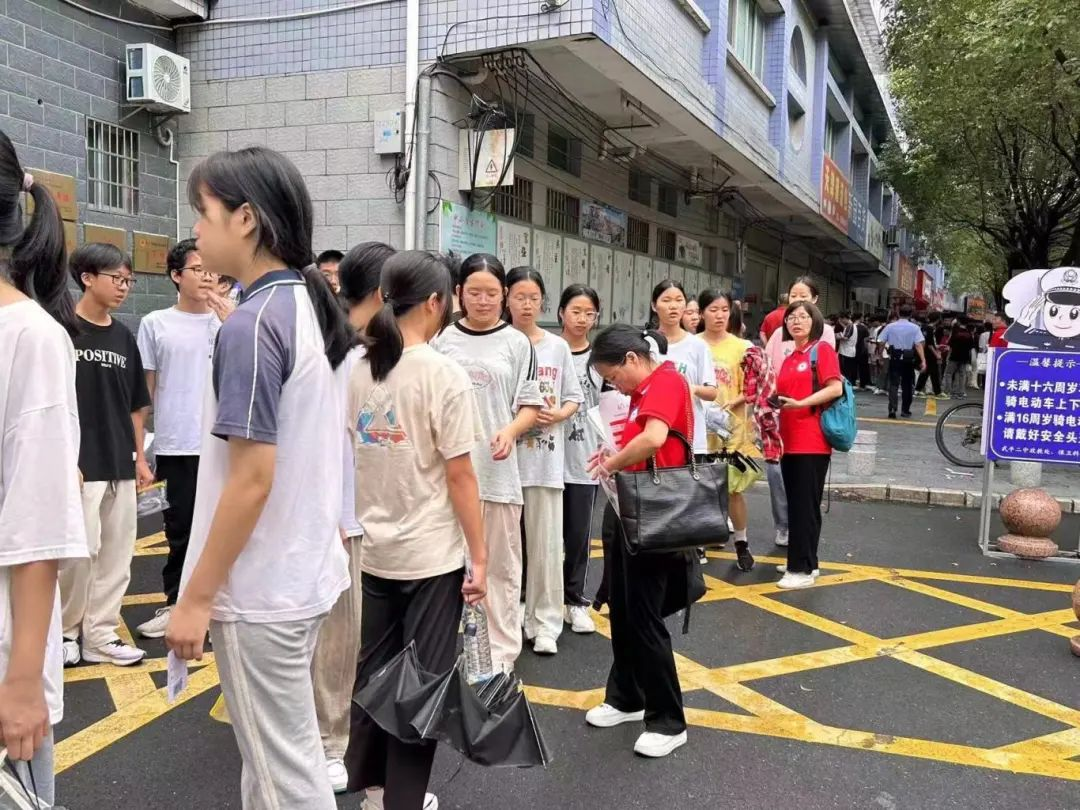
(404,429)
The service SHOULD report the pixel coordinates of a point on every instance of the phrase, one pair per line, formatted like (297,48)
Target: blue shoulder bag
(838,421)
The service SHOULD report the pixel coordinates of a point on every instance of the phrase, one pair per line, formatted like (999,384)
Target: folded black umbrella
(491,724)
(394,694)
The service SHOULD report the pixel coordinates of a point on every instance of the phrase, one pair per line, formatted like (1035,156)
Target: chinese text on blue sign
(1034,407)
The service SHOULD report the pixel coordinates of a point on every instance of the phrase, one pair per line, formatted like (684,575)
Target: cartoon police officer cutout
(1046,304)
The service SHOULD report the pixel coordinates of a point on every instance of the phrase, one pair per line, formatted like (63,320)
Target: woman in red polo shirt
(643,684)
(806,453)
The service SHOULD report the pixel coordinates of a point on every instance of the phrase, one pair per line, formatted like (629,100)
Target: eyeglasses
(485,295)
(796,318)
(198,270)
(535,300)
(586,315)
(121,282)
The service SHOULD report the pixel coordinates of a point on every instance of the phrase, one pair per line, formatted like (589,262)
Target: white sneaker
(651,744)
(781,537)
(373,800)
(791,581)
(72,652)
(339,777)
(115,652)
(577,616)
(155,627)
(607,716)
(545,645)
(783,570)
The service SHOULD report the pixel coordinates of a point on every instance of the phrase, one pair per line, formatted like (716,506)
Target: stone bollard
(1074,643)
(1026,474)
(863,454)
(1030,516)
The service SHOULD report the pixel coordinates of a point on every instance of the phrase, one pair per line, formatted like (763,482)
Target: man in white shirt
(176,345)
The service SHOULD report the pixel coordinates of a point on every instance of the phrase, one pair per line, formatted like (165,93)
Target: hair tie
(387,301)
(27,181)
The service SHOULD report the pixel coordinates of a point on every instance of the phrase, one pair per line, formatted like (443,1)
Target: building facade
(727,143)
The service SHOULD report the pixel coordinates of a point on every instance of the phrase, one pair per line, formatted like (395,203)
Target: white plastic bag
(152,500)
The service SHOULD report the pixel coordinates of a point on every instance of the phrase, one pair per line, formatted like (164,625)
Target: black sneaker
(892,414)
(744,560)
(906,414)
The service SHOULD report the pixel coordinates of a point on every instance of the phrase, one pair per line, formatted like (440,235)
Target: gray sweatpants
(43,781)
(778,495)
(266,678)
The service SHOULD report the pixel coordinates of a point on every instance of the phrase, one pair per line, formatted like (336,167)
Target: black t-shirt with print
(110,386)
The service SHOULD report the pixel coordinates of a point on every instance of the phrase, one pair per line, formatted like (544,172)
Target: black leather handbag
(674,508)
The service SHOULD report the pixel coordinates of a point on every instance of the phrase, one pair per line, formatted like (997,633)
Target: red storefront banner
(835,195)
(924,288)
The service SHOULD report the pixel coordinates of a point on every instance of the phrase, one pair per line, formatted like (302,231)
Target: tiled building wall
(60,66)
(799,163)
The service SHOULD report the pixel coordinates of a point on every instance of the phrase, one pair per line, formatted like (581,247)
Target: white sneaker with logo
(577,616)
(155,627)
(339,777)
(781,537)
(115,652)
(783,570)
(545,645)
(790,581)
(72,652)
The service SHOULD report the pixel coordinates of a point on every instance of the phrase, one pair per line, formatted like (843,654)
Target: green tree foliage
(988,93)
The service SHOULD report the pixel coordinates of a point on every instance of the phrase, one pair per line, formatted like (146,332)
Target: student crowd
(352,456)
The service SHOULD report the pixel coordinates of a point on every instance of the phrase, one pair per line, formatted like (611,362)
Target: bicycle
(959,434)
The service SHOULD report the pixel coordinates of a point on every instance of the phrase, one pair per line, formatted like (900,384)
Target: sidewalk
(910,469)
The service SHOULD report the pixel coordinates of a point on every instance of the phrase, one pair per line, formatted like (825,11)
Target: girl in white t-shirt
(541,454)
(413,419)
(41,520)
(501,363)
(579,309)
(688,352)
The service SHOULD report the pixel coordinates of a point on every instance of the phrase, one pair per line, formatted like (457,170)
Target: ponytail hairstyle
(408,280)
(36,256)
(658,290)
(479,263)
(274,189)
(516,276)
(574,291)
(620,339)
(360,269)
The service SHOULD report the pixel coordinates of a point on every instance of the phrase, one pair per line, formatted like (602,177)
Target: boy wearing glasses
(176,345)
(112,399)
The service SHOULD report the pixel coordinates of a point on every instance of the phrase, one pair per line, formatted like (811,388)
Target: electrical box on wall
(389,132)
(485,159)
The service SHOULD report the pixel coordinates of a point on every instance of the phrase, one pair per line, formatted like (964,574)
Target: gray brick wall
(59,66)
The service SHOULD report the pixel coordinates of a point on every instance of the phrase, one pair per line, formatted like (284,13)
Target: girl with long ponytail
(412,413)
(263,568)
(41,519)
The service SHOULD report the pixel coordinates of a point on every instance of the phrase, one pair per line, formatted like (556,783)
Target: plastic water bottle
(478,667)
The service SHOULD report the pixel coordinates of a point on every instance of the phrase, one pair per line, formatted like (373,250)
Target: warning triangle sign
(492,168)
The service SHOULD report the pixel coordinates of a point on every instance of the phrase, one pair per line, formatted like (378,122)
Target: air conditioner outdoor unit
(158,79)
(892,237)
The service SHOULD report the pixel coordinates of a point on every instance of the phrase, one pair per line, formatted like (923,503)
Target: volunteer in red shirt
(773,321)
(997,337)
(806,453)
(643,684)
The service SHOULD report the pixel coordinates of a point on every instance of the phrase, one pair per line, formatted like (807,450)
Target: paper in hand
(177,677)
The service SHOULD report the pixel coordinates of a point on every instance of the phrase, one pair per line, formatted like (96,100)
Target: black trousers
(578,500)
(932,372)
(863,363)
(804,479)
(643,672)
(180,473)
(901,380)
(395,612)
(850,367)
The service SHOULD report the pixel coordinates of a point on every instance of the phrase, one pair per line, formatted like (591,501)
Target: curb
(928,496)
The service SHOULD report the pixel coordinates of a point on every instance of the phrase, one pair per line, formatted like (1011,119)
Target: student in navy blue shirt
(903,340)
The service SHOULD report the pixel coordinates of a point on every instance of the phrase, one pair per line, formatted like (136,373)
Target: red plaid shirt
(759,384)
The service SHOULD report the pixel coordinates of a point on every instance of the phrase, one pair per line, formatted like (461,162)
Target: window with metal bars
(637,235)
(516,201)
(640,188)
(563,212)
(667,200)
(665,244)
(112,167)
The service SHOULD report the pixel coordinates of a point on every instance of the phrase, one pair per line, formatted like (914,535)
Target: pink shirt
(778,349)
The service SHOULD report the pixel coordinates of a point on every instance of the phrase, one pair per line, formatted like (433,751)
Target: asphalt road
(879,688)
